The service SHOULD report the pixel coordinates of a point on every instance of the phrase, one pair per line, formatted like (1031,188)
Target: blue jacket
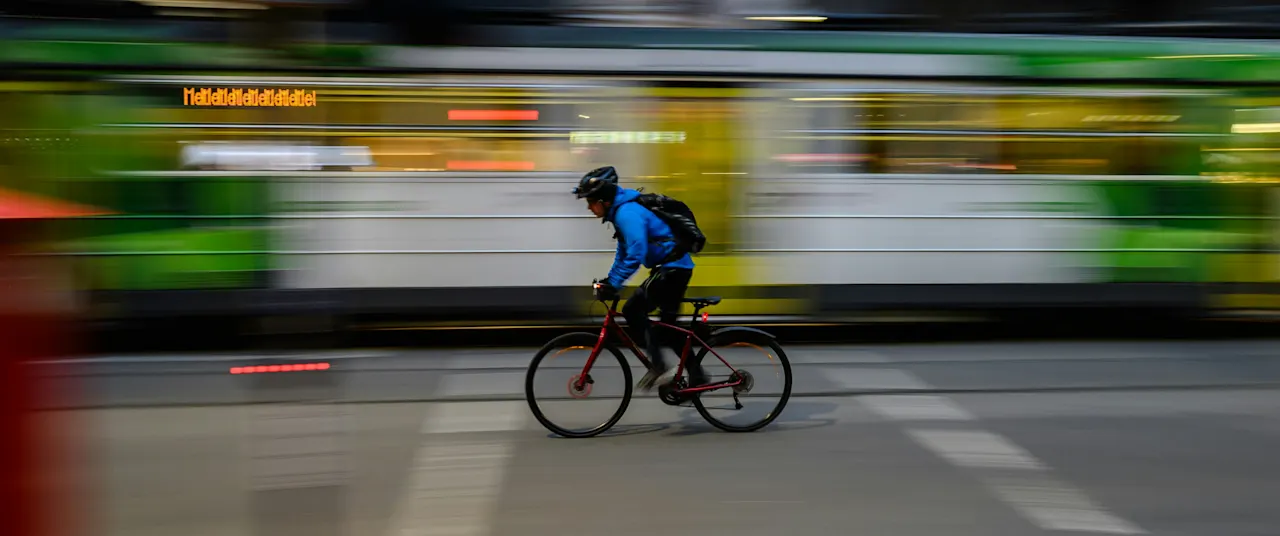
(637,224)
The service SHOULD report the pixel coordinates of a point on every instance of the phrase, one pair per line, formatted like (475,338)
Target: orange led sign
(247,97)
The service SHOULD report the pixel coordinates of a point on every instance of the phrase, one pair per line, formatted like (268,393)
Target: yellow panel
(693,92)
(1246,301)
(695,171)
(704,171)
(1246,268)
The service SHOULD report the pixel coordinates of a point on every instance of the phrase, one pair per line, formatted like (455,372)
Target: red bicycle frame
(611,323)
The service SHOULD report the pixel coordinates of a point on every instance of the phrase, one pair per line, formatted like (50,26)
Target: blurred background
(409,162)
(295,178)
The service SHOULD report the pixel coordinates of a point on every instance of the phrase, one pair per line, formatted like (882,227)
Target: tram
(827,182)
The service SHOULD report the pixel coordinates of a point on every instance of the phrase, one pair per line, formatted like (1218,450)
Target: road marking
(976,449)
(482,384)
(453,490)
(916,408)
(856,378)
(469,417)
(1032,491)
(835,354)
(1056,506)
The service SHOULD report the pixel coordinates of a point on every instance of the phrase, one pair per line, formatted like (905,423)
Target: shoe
(654,378)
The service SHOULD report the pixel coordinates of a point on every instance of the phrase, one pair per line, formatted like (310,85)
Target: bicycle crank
(669,395)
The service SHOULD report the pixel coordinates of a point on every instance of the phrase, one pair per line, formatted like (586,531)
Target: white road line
(810,355)
(1031,490)
(916,408)
(453,490)
(976,449)
(482,383)
(873,378)
(1056,506)
(469,417)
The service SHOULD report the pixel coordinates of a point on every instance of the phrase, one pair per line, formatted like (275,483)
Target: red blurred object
(22,206)
(495,165)
(41,484)
(295,367)
(493,115)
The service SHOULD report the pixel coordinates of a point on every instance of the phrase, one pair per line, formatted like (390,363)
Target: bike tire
(577,339)
(758,339)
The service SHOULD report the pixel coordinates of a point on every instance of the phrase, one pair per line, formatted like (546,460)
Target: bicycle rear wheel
(712,405)
(550,385)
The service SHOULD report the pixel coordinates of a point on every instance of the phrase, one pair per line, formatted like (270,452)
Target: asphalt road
(1110,438)
(498,374)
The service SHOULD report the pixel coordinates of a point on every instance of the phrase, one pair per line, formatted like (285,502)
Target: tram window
(926,112)
(938,156)
(807,138)
(1056,158)
(1102,156)
(490,113)
(469,154)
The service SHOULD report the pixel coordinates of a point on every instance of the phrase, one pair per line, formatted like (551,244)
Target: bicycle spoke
(761,376)
(568,403)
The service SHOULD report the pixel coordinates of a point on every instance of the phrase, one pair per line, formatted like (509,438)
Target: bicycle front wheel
(551,386)
(764,372)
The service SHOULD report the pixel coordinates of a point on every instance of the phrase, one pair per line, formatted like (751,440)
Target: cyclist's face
(596,207)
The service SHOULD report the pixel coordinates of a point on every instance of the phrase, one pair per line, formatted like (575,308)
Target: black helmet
(599,183)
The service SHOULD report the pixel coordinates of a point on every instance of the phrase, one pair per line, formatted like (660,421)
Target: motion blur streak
(295,174)
(40,470)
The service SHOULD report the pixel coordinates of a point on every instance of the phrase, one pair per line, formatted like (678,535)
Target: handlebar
(595,291)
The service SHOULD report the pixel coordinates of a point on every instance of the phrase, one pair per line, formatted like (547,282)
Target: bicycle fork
(585,377)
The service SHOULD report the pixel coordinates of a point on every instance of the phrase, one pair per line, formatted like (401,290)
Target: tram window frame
(1005,122)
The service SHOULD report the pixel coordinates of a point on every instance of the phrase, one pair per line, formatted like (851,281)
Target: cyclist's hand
(605,291)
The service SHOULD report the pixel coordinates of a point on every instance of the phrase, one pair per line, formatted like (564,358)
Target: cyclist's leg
(636,311)
(669,297)
(665,291)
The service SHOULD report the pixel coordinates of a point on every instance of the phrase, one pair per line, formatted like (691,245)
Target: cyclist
(642,238)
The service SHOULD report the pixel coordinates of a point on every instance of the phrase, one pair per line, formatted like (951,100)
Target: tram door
(705,165)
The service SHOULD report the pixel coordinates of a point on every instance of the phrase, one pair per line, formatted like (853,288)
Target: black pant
(664,290)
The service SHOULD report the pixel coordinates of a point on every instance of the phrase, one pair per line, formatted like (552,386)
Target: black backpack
(678,216)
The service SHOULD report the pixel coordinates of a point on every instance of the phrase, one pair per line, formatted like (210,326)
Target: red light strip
(493,115)
(495,165)
(259,369)
(822,157)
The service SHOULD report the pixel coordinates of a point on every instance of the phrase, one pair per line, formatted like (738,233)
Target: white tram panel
(891,229)
(848,228)
(412,230)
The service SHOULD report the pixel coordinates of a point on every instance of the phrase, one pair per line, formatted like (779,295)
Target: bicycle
(678,393)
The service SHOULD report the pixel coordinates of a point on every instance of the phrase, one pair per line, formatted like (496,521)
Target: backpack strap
(617,235)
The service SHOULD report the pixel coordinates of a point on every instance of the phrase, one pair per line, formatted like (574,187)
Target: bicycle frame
(611,324)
